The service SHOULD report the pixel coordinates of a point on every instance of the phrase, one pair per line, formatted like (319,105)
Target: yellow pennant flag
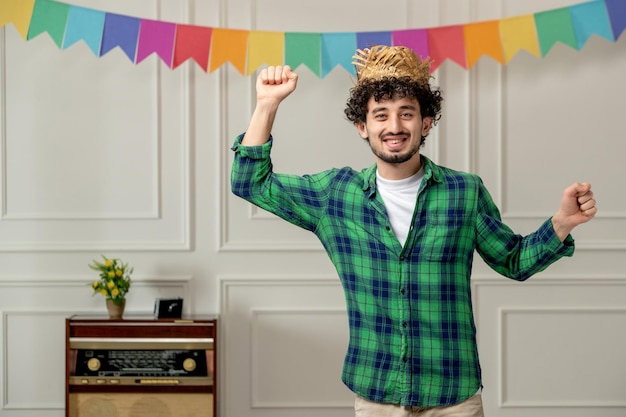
(482,38)
(229,45)
(265,48)
(519,33)
(18,12)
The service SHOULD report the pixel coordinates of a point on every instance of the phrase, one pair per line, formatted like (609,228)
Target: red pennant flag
(192,42)
(446,42)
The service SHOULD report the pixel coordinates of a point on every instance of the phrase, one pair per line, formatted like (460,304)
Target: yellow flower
(114,281)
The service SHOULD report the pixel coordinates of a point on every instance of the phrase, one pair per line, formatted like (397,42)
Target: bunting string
(247,50)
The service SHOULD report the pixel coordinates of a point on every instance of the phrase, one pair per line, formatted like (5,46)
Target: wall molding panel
(154,192)
(578,369)
(16,361)
(274,387)
(270,319)
(558,331)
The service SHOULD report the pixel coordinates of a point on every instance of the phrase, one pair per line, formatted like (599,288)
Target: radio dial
(93,364)
(189,364)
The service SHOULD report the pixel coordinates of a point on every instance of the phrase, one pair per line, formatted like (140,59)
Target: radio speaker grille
(140,405)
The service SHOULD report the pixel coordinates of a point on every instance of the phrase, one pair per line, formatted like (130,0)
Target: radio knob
(93,364)
(189,364)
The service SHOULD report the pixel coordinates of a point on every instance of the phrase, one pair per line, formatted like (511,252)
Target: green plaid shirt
(412,332)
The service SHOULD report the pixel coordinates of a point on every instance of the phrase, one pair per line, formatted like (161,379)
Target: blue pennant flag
(590,19)
(337,49)
(121,31)
(84,24)
(369,39)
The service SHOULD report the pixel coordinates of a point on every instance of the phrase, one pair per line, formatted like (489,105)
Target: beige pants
(469,408)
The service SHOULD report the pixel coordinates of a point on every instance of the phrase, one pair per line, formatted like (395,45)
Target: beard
(393,157)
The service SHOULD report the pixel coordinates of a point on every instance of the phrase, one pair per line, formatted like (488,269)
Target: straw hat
(381,61)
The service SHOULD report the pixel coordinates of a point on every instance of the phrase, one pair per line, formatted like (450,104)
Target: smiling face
(394,129)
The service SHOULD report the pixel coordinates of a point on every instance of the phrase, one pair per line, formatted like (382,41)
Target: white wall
(550,347)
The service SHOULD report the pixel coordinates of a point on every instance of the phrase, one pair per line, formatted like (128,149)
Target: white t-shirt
(399,197)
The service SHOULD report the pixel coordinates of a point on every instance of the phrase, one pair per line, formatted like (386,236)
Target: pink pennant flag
(415,39)
(156,37)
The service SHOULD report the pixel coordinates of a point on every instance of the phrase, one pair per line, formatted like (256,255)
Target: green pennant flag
(49,16)
(555,26)
(304,48)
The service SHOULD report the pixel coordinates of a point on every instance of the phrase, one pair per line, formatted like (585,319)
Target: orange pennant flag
(482,38)
(265,48)
(18,12)
(519,33)
(229,45)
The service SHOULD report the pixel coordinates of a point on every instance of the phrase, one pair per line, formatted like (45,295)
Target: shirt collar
(431,171)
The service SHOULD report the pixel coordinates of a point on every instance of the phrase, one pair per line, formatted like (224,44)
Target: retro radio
(140,367)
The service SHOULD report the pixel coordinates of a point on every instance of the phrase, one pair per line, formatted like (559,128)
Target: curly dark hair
(429,98)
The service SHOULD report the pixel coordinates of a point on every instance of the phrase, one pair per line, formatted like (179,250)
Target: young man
(401,234)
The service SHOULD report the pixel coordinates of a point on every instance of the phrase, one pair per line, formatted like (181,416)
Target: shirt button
(402,258)
(402,291)
(404,324)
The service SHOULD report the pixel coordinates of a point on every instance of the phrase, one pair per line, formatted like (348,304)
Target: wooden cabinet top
(141,326)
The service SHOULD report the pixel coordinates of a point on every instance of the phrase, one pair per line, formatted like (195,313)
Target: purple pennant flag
(156,37)
(617,15)
(120,31)
(369,39)
(415,39)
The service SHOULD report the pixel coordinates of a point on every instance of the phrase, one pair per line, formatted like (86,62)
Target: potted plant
(113,283)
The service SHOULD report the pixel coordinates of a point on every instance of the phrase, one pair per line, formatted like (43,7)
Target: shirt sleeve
(513,255)
(298,199)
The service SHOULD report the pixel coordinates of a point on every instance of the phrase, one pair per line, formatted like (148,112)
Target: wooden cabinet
(141,366)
